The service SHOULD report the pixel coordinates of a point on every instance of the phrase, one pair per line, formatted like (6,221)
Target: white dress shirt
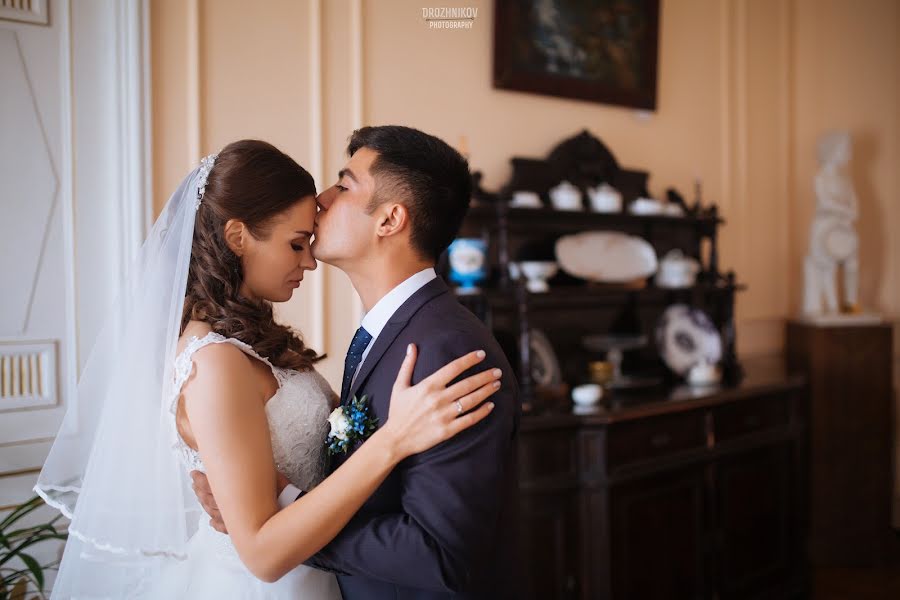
(384,309)
(374,322)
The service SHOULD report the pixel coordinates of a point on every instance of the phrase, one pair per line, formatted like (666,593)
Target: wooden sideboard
(673,495)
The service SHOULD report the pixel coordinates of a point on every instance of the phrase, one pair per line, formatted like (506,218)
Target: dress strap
(184,362)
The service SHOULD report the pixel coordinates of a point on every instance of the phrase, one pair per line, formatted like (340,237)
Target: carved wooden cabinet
(668,497)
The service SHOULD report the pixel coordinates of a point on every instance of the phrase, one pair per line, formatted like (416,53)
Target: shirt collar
(384,309)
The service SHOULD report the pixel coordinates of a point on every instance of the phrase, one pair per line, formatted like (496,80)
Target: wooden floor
(857,584)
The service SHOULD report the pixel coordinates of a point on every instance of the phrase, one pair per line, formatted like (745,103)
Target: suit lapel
(394,326)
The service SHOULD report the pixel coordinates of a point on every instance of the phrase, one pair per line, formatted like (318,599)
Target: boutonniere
(349,424)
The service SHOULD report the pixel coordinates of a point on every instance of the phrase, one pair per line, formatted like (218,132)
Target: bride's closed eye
(297,247)
(340,187)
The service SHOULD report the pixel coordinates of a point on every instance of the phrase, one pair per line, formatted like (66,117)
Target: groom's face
(344,230)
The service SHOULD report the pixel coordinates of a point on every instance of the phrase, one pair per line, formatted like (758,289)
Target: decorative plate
(686,336)
(606,256)
(544,364)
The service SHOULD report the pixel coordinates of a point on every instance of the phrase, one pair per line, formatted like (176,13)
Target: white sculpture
(833,240)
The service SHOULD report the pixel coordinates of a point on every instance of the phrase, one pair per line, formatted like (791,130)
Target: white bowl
(587,395)
(646,206)
(525,199)
(537,272)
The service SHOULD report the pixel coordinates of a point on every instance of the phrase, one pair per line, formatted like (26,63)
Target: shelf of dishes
(593,295)
(606,258)
(544,218)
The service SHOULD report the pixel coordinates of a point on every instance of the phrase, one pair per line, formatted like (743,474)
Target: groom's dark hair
(426,175)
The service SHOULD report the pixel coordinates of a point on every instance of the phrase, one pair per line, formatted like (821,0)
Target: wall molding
(68,386)
(357,106)
(133,129)
(194,131)
(316,279)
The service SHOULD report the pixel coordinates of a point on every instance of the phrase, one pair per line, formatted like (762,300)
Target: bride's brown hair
(252,181)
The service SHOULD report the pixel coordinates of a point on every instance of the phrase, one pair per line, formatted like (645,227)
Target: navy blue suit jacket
(442,523)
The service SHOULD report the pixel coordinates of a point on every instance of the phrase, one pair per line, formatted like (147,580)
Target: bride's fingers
(469,384)
(473,399)
(440,378)
(469,419)
(404,375)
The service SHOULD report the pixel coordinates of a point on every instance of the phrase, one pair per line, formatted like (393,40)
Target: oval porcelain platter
(606,256)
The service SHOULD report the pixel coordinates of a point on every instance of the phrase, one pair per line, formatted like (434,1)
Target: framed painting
(597,50)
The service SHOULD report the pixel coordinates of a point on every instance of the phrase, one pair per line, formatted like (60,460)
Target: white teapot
(677,270)
(605,198)
(565,196)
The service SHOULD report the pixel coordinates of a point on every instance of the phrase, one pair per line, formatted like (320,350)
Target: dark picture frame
(596,50)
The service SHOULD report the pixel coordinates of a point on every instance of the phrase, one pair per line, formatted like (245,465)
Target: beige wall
(745,87)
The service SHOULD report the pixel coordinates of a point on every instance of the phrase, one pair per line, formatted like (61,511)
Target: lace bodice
(297,415)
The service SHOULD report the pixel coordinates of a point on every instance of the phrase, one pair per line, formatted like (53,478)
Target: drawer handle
(660,439)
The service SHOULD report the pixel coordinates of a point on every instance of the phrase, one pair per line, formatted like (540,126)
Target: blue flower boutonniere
(350,424)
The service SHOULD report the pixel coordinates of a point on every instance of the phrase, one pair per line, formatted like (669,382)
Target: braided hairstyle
(252,181)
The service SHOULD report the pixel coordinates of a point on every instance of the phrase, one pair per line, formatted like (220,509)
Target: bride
(191,372)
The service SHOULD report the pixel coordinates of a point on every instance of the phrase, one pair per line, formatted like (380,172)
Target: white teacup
(605,198)
(587,395)
(566,196)
(704,373)
(525,199)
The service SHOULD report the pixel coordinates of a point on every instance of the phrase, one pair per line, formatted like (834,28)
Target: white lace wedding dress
(298,421)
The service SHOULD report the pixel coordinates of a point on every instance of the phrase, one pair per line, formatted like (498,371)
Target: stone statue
(833,241)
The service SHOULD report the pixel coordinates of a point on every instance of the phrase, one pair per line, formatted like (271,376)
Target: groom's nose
(325,199)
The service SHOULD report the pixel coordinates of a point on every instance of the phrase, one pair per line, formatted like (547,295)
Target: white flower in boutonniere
(339,423)
(350,423)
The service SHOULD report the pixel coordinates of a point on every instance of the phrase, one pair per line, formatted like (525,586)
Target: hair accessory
(206,166)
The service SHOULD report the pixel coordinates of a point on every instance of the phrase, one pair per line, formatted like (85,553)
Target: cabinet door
(757,506)
(549,534)
(657,527)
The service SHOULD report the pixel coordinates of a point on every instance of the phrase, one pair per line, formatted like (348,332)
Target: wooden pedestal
(848,370)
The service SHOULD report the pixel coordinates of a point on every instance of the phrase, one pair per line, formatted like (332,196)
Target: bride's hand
(428,413)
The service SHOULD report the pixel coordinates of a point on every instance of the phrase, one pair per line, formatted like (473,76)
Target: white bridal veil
(112,470)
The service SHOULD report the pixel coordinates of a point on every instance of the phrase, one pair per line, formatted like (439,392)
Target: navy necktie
(359,344)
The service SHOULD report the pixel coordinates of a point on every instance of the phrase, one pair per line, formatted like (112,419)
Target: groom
(441,525)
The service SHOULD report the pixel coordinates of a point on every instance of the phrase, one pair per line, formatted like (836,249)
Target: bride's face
(274,266)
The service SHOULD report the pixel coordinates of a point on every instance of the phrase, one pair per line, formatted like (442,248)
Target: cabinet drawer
(751,416)
(546,456)
(654,437)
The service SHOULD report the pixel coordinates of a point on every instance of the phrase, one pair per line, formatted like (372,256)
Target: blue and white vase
(468,264)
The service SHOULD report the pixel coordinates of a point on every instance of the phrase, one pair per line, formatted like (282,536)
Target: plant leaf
(19,589)
(35,567)
(21,511)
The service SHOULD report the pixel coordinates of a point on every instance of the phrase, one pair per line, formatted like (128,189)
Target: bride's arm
(227,417)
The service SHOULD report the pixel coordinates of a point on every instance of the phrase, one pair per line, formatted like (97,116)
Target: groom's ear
(235,232)
(393,217)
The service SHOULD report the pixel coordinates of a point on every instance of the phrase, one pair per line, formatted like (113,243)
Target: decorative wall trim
(786,144)
(133,128)
(52,174)
(357,106)
(68,386)
(28,375)
(25,11)
(194,132)
(316,279)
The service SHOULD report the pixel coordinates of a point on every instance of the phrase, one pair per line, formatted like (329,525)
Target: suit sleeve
(451,496)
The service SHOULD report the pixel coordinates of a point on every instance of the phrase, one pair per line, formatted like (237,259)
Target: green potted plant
(20,572)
